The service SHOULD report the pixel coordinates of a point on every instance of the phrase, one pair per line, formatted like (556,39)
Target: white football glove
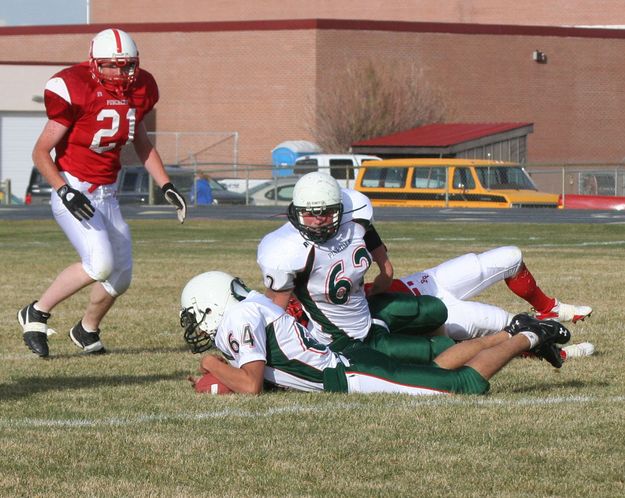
(176,199)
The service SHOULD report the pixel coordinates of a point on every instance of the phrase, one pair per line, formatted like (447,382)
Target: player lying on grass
(465,277)
(462,278)
(322,255)
(261,342)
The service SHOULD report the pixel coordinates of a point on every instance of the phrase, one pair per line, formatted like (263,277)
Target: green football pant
(408,314)
(373,372)
(407,348)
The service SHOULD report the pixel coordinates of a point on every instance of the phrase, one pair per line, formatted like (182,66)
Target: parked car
(133,185)
(275,192)
(38,190)
(580,201)
(432,182)
(343,167)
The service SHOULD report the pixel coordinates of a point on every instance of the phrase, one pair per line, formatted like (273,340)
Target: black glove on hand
(76,203)
(176,199)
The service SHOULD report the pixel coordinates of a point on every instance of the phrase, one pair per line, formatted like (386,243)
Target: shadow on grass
(22,387)
(116,352)
(552,388)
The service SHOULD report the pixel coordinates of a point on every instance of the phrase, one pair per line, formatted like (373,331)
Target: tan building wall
(526,12)
(260,79)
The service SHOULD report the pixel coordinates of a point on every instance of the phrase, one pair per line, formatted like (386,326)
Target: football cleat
(549,352)
(35,329)
(520,322)
(89,342)
(549,333)
(552,333)
(563,312)
(577,350)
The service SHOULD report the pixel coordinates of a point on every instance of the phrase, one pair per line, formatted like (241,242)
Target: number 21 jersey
(99,122)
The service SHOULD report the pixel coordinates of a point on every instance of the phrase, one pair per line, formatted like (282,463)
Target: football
(208,383)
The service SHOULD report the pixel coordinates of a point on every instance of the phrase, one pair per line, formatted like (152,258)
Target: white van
(343,167)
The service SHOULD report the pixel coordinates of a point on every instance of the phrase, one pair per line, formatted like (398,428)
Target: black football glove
(76,203)
(176,199)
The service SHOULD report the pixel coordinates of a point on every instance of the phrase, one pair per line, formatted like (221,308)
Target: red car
(602,202)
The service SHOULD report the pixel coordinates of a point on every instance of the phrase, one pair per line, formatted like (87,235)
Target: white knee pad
(506,259)
(98,268)
(118,282)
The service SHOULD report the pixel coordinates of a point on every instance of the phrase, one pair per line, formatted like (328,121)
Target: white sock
(532,337)
(86,329)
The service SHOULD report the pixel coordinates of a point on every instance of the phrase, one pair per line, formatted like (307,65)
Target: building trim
(322,24)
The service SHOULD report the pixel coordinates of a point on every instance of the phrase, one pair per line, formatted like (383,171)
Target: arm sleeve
(372,239)
(279,262)
(246,338)
(58,102)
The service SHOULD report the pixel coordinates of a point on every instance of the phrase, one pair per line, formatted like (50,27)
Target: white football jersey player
(327,277)
(259,330)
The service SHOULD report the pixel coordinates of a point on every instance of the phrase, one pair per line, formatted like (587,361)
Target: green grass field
(129,424)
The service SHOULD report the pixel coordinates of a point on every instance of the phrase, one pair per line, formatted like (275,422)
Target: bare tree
(371,100)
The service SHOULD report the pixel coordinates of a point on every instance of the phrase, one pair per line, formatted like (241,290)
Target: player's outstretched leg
(35,327)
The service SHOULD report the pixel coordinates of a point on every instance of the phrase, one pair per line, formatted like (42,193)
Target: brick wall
(261,82)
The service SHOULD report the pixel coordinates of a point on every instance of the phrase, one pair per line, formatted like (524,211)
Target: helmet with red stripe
(114,60)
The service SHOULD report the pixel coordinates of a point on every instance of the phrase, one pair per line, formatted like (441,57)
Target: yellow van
(431,182)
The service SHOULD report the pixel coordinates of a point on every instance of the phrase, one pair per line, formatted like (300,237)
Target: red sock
(524,285)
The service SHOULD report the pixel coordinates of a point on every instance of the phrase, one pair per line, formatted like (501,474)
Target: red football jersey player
(93,109)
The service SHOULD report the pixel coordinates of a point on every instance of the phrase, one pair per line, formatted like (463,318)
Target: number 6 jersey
(99,122)
(258,330)
(328,277)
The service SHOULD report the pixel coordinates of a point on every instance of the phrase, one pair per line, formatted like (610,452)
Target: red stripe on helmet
(118,41)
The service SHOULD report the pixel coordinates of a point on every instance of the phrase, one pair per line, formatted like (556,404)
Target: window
(284,193)
(342,169)
(384,177)
(305,166)
(504,177)
(463,179)
(429,177)
(599,183)
(130,180)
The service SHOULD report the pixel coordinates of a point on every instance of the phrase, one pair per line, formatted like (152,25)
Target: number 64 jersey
(99,122)
(258,330)
(326,277)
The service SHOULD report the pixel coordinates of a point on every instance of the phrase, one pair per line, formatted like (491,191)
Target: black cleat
(552,333)
(549,334)
(35,326)
(89,342)
(520,322)
(550,353)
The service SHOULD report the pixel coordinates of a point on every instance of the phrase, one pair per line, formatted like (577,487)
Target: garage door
(18,133)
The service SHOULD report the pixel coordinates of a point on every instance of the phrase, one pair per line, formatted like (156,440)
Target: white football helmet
(117,47)
(316,194)
(204,300)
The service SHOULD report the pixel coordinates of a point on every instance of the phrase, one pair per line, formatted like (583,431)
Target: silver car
(275,192)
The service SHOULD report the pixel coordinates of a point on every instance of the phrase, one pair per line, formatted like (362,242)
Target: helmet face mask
(301,218)
(204,302)
(114,60)
(316,210)
(199,340)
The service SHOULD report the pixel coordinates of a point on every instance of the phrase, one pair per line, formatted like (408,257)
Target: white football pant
(465,277)
(103,243)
